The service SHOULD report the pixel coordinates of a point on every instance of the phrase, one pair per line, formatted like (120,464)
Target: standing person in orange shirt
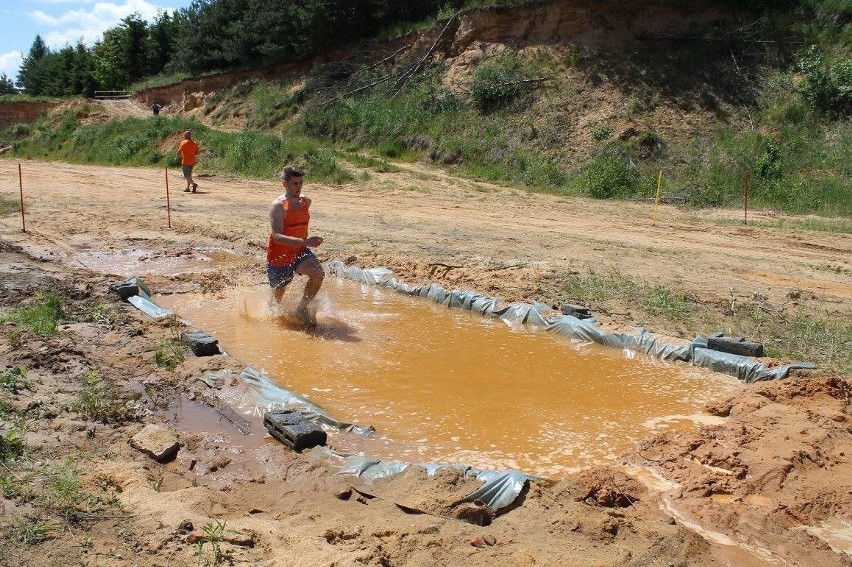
(188,151)
(288,249)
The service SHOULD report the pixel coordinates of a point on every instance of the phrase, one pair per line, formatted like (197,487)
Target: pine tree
(32,75)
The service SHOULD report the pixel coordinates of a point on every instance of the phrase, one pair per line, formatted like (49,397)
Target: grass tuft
(98,403)
(42,318)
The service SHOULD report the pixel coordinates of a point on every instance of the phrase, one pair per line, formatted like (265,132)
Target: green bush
(769,164)
(826,88)
(323,163)
(610,175)
(496,85)
(601,132)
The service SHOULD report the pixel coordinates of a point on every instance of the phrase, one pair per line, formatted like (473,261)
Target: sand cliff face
(585,22)
(16,112)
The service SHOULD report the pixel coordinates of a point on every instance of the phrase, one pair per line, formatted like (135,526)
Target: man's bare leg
(278,292)
(311,268)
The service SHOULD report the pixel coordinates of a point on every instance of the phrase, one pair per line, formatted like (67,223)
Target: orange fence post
(21,186)
(168,203)
(745,203)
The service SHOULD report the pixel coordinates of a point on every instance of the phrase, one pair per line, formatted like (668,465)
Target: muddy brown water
(450,386)
(143,262)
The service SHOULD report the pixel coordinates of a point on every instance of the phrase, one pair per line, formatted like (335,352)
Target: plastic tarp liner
(144,304)
(402,287)
(371,276)
(743,367)
(696,352)
(141,285)
(269,396)
(499,488)
(522,313)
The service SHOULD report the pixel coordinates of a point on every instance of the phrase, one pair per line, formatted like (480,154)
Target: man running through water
(288,249)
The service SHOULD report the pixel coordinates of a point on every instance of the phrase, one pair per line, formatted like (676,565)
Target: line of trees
(226,33)
(128,52)
(222,34)
(210,35)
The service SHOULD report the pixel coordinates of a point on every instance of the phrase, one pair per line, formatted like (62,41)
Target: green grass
(63,493)
(9,205)
(14,380)
(596,287)
(380,165)
(834,225)
(160,80)
(29,98)
(41,318)
(11,445)
(97,402)
(170,354)
(214,533)
(14,487)
(137,142)
(810,331)
(30,531)
(271,104)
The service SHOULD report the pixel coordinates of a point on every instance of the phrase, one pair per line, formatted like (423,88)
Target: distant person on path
(155,108)
(188,151)
(288,250)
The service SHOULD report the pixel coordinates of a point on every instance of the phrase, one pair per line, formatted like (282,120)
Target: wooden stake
(21,186)
(745,200)
(168,203)
(657,200)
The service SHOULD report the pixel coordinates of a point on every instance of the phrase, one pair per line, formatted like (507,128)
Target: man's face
(293,186)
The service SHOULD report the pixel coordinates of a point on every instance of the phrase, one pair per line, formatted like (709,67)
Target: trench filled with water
(451,386)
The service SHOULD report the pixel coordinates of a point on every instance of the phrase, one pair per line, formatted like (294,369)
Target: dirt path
(421,216)
(771,486)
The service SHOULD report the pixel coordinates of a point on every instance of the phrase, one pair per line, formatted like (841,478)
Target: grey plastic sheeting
(267,396)
(696,352)
(499,488)
(147,306)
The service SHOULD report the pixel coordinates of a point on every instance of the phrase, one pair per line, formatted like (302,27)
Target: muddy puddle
(140,262)
(450,386)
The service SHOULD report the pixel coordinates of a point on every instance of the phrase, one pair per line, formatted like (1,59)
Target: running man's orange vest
(296,225)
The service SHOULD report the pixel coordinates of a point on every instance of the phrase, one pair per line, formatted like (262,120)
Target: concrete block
(734,345)
(293,429)
(200,342)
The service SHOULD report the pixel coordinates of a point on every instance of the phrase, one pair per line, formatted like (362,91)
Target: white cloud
(10,62)
(62,1)
(89,24)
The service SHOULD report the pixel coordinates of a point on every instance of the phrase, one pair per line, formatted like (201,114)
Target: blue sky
(60,22)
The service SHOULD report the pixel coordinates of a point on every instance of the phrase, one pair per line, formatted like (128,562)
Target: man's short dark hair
(291,171)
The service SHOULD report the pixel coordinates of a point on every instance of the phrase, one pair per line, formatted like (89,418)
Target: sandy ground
(772,485)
